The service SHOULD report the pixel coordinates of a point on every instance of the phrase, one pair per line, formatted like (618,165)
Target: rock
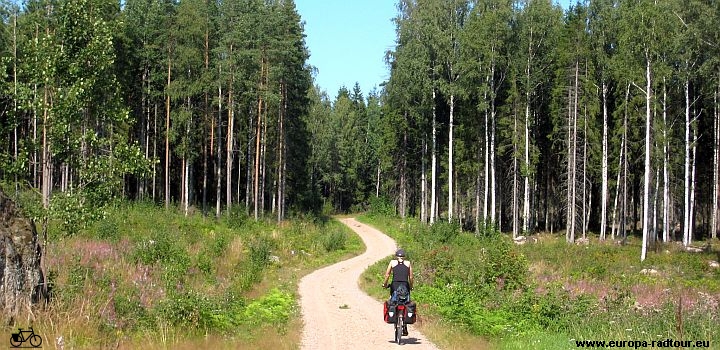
(520,240)
(714,264)
(693,249)
(649,272)
(21,278)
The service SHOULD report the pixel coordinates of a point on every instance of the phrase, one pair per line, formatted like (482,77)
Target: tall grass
(151,277)
(549,294)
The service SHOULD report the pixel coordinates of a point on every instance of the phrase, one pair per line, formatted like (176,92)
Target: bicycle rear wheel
(15,343)
(399,329)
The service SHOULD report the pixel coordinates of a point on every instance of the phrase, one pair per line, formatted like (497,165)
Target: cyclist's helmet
(400,253)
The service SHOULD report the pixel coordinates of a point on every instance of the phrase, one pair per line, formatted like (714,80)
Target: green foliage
(482,284)
(334,240)
(273,308)
(75,283)
(260,249)
(166,251)
(130,312)
(441,232)
(190,309)
(108,229)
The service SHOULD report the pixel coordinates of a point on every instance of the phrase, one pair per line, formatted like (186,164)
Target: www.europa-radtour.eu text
(639,344)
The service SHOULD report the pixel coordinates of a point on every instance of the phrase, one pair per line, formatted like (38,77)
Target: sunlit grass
(152,278)
(624,299)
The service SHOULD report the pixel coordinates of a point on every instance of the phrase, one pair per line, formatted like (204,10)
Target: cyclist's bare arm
(387,274)
(412,280)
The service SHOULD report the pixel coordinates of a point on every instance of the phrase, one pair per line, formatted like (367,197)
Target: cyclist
(402,275)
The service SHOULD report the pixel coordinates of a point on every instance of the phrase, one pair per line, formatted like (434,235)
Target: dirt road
(338,315)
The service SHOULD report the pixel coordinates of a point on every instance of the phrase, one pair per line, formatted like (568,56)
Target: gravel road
(338,315)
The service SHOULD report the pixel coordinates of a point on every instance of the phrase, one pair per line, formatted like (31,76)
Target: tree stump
(21,277)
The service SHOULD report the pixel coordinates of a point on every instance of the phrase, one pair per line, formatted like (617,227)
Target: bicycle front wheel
(35,341)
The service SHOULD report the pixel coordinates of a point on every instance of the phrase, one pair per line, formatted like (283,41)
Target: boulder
(21,278)
(582,241)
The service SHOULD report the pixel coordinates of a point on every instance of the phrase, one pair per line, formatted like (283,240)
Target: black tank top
(401,272)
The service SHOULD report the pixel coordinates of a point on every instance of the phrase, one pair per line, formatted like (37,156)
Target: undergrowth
(151,277)
(549,294)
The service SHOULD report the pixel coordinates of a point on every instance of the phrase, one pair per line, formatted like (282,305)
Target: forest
(602,119)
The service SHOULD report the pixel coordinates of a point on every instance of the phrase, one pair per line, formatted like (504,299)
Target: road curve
(337,314)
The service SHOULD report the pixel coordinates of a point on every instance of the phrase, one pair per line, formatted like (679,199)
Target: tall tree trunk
(36,160)
(167,136)
(716,166)
(155,151)
(423,182)
(688,126)
(604,187)
(258,135)
(403,175)
(450,159)
(526,176)
(486,166)
(218,159)
(666,172)
(515,170)
(587,195)
(616,223)
(263,157)
(653,229)
(207,149)
(15,101)
(281,154)
(229,145)
(648,170)
(494,216)
(433,164)
(692,189)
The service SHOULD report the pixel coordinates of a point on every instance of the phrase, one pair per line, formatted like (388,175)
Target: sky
(347,41)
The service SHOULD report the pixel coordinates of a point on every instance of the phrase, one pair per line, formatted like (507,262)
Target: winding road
(337,314)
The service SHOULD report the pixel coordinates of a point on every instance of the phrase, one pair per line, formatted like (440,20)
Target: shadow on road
(408,341)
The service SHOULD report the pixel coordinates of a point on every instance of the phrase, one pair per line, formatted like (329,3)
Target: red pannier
(387,310)
(410,312)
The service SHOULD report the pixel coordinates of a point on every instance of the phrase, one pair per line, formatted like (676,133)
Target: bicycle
(400,314)
(16,339)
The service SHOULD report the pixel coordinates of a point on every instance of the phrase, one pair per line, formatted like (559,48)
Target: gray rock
(21,277)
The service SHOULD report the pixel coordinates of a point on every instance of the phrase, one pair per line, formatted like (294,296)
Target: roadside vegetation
(150,278)
(484,291)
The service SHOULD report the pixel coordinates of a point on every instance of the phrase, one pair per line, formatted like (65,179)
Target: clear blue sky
(347,41)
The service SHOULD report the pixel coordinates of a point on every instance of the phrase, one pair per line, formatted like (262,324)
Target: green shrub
(237,218)
(108,229)
(130,312)
(441,232)
(167,252)
(260,249)
(273,308)
(335,240)
(381,206)
(189,309)
(205,264)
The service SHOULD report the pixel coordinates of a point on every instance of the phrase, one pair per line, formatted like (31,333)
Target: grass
(599,291)
(151,278)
